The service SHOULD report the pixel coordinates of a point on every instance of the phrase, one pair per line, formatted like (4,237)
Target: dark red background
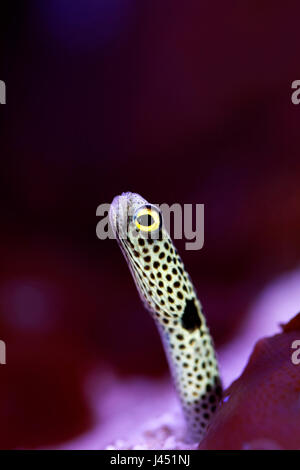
(185,102)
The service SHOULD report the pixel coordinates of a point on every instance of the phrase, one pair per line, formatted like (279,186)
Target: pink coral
(262,408)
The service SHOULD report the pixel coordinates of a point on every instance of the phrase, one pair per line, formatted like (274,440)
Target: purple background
(185,102)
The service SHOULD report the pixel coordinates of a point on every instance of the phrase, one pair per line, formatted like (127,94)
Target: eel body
(168,293)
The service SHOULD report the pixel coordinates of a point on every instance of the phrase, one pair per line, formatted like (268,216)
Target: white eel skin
(168,293)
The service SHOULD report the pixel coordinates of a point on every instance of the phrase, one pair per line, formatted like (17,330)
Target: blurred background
(185,102)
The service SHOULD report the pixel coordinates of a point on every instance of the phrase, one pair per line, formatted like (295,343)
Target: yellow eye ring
(149,215)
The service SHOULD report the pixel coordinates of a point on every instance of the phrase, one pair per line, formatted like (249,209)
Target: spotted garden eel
(169,295)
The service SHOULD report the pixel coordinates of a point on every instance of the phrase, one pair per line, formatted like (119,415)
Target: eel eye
(147,219)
